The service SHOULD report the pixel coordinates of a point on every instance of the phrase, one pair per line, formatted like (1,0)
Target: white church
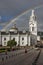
(21,37)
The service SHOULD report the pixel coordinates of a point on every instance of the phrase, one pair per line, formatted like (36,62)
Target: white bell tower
(33,28)
(33,24)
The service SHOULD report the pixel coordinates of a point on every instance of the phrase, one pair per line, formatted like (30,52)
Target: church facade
(22,38)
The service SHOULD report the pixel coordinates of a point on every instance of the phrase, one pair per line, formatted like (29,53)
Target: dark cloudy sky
(10,9)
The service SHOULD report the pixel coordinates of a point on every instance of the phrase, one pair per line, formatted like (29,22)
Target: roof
(14,32)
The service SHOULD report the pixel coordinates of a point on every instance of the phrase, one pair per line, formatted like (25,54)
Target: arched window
(32,28)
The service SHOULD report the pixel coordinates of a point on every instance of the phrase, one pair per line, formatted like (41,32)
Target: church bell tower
(33,28)
(33,24)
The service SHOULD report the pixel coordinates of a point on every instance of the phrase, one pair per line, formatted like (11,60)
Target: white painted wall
(29,40)
(33,23)
(38,38)
(4,42)
(16,38)
(23,41)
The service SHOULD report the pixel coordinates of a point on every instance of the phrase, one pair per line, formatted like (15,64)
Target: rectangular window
(32,28)
(22,42)
(4,38)
(4,43)
(13,38)
(22,38)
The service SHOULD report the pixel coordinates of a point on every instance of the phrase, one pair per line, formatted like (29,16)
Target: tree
(11,43)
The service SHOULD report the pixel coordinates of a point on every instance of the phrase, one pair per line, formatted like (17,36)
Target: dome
(14,28)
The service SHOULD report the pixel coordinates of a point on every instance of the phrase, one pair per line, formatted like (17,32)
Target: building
(21,37)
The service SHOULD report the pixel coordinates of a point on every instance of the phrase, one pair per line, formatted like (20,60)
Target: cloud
(16,7)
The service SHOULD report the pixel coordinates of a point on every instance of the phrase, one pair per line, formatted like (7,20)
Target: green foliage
(2,50)
(11,43)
